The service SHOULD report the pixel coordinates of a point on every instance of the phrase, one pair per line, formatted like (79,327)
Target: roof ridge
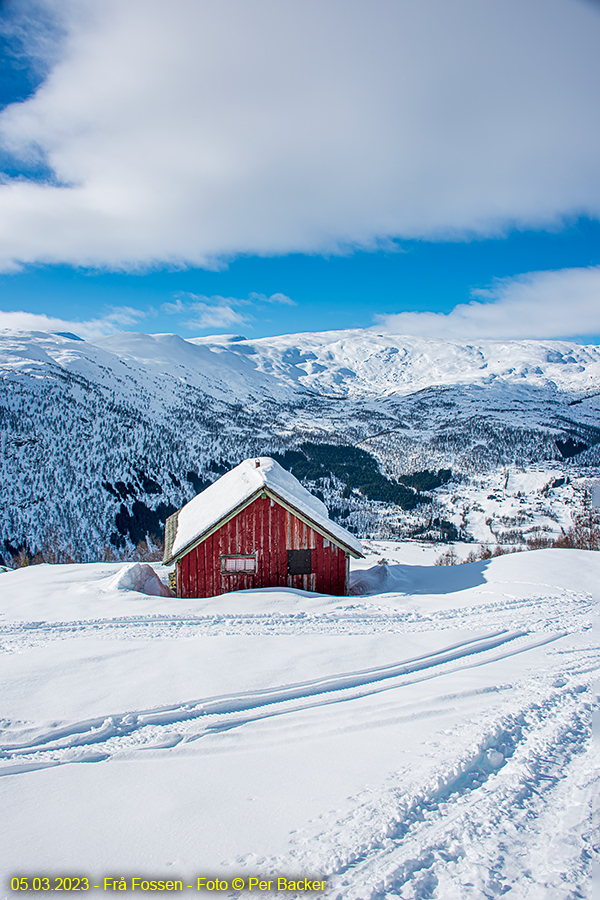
(231,493)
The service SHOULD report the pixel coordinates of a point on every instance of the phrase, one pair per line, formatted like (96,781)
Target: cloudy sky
(271,166)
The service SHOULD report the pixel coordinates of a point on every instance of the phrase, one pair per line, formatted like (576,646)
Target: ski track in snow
(463,829)
(467,833)
(566,609)
(161,727)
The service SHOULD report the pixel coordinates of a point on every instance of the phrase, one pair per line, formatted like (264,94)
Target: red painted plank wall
(267,529)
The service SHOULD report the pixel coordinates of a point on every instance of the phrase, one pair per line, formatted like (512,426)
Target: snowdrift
(139,577)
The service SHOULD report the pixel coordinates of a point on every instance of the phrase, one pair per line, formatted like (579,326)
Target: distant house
(257,527)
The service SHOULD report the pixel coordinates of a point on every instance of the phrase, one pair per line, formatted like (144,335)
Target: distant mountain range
(102,440)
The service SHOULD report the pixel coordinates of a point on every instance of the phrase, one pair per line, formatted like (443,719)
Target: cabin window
(239,563)
(299,562)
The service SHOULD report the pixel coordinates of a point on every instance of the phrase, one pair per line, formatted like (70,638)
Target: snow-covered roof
(237,487)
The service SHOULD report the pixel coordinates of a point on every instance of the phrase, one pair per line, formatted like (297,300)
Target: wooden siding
(265,528)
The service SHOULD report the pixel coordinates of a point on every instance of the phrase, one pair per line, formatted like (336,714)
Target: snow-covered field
(428,738)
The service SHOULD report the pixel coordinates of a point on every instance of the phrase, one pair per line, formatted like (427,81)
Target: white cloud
(90,329)
(554,304)
(217,311)
(274,298)
(185,132)
(175,307)
(207,312)
(205,316)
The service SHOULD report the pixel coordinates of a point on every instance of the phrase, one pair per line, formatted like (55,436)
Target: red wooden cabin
(257,527)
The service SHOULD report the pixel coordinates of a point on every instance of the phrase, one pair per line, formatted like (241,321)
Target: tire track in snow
(218,713)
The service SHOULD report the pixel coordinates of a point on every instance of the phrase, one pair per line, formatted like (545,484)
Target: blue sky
(145,194)
(328,292)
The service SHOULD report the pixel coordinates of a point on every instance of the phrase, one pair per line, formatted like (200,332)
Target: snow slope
(432,740)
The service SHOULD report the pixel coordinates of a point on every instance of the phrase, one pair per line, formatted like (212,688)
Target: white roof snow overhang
(272,495)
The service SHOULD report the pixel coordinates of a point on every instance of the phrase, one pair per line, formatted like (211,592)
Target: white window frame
(243,558)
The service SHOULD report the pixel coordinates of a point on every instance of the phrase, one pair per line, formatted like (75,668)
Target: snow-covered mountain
(354,363)
(102,440)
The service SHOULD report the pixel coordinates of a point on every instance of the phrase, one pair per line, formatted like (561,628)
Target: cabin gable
(282,549)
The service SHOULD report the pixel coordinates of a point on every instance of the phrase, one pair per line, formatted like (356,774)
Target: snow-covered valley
(428,738)
(102,441)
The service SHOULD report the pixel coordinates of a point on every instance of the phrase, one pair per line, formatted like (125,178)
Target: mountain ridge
(157,417)
(301,356)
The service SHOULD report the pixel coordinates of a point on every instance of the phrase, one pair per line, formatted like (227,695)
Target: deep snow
(429,738)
